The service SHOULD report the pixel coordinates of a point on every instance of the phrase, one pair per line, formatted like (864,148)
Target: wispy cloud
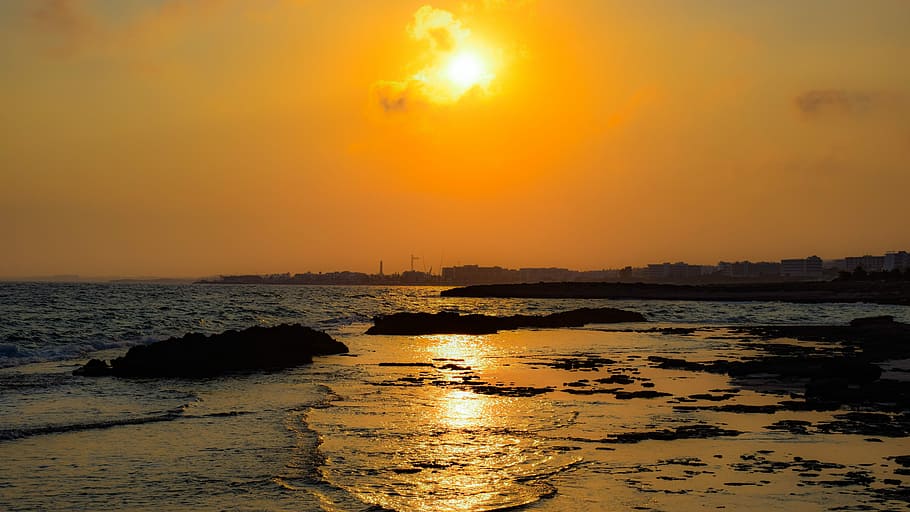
(73,27)
(820,102)
(392,96)
(68,22)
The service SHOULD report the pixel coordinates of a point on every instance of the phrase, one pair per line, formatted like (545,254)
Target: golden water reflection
(462,408)
(459,409)
(473,458)
(465,350)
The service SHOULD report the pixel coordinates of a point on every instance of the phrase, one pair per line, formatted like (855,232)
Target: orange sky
(198,137)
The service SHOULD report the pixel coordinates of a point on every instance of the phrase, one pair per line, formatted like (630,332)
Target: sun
(466,70)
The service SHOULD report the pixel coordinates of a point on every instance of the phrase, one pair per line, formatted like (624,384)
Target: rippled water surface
(526,418)
(51,321)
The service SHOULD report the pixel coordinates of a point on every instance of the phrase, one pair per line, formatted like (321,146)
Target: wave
(12,354)
(20,433)
(170,415)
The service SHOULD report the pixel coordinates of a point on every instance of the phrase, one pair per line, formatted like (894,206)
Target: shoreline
(534,409)
(874,292)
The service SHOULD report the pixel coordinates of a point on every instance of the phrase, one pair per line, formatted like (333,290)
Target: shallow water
(481,423)
(418,438)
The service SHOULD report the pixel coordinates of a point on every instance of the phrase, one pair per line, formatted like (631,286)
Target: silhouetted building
(749,269)
(551,274)
(242,279)
(810,267)
(867,263)
(896,261)
(678,270)
(476,274)
(415,277)
(597,275)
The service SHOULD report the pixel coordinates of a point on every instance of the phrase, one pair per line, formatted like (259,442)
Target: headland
(875,292)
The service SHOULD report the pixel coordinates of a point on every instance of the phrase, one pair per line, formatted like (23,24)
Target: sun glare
(466,70)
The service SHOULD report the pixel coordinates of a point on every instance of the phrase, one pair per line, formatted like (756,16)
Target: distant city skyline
(733,268)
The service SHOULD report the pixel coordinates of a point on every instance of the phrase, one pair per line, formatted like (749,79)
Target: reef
(197,355)
(847,373)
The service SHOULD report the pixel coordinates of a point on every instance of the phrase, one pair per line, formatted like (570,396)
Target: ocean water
(352,433)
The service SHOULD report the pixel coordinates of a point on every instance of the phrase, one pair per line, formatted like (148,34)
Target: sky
(204,137)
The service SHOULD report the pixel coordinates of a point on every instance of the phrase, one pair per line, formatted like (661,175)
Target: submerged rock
(454,323)
(197,355)
(681,432)
(844,372)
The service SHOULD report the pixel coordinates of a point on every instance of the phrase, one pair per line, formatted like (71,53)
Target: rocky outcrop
(849,374)
(876,338)
(197,355)
(454,323)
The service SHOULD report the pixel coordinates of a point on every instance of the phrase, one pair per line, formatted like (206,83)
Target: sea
(417,423)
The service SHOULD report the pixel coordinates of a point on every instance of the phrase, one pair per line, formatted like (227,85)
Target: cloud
(74,27)
(68,21)
(439,28)
(392,96)
(838,101)
(445,40)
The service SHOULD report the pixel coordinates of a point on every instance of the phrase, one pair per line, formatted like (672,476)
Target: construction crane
(412,261)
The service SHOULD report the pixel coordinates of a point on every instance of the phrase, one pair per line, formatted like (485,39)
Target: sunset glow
(148,138)
(454,255)
(466,70)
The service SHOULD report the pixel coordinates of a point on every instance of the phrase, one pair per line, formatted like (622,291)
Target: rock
(197,355)
(681,432)
(453,323)
(615,379)
(878,338)
(93,368)
(872,321)
(645,393)
(510,391)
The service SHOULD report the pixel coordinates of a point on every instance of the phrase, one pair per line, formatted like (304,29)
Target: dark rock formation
(453,323)
(849,375)
(681,432)
(197,355)
(878,338)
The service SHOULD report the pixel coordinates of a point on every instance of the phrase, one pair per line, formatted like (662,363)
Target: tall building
(549,274)
(896,261)
(810,267)
(867,263)
(749,269)
(474,274)
(678,270)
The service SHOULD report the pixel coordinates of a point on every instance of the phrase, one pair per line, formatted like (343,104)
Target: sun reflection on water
(461,446)
(469,454)
(470,350)
(463,409)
